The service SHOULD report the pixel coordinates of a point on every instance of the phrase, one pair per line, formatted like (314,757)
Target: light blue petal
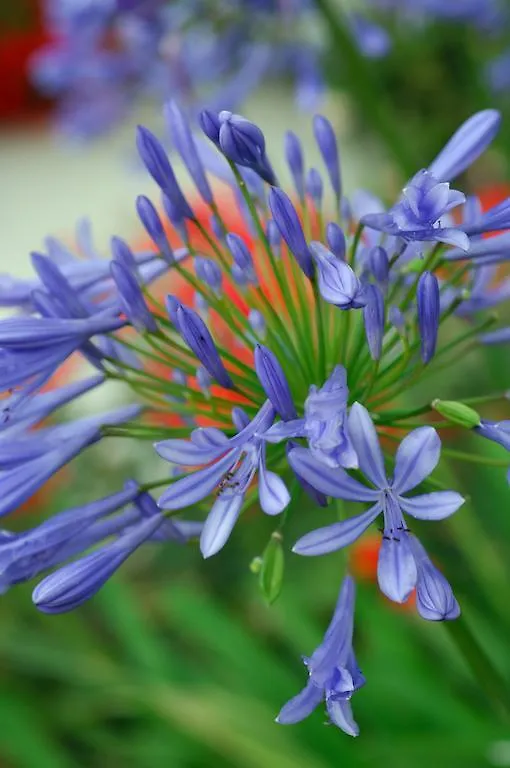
(432,506)
(301,705)
(366,444)
(416,458)
(284,430)
(340,713)
(331,481)
(197,485)
(396,569)
(335,536)
(185,453)
(219,523)
(273,493)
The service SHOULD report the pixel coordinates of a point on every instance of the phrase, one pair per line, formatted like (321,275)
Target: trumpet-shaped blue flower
(324,424)
(333,672)
(233,463)
(416,458)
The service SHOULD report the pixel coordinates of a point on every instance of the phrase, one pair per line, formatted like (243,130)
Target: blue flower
(497,431)
(333,673)
(416,458)
(417,216)
(324,423)
(233,464)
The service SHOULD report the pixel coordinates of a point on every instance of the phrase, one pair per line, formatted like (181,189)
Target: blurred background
(178,662)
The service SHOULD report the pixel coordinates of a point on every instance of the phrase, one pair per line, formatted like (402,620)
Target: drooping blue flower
(233,463)
(287,221)
(333,672)
(244,144)
(324,424)
(428,301)
(435,600)
(338,284)
(274,382)
(416,458)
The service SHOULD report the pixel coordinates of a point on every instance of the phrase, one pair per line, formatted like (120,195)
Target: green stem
(488,677)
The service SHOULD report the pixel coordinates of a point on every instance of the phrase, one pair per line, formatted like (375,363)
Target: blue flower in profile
(324,423)
(338,283)
(232,465)
(497,431)
(417,456)
(333,671)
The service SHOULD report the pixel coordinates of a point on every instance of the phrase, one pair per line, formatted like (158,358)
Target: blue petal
(335,536)
(331,481)
(466,145)
(416,458)
(301,705)
(432,506)
(197,485)
(187,454)
(366,444)
(273,493)
(283,430)
(219,523)
(340,713)
(396,569)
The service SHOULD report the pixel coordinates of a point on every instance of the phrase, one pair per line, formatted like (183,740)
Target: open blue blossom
(324,423)
(416,458)
(234,463)
(333,672)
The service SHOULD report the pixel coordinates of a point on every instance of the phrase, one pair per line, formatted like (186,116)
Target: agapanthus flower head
(279,392)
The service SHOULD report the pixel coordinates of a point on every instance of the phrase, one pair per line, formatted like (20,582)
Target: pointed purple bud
(427,296)
(204,380)
(466,145)
(197,336)
(77,582)
(172,305)
(210,124)
(296,163)
(184,143)
(373,315)
(58,287)
(274,382)
(288,223)
(200,303)
(336,240)
(257,322)
(274,237)
(239,251)
(314,187)
(123,254)
(175,218)
(154,227)
(326,141)
(132,299)
(208,271)
(217,227)
(379,264)
(157,163)
(243,143)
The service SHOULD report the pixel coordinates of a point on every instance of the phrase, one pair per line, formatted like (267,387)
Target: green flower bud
(459,413)
(271,571)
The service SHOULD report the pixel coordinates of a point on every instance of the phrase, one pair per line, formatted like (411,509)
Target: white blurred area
(46,185)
